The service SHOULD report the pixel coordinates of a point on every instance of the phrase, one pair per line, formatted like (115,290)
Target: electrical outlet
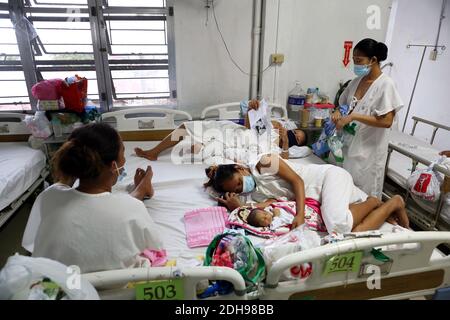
(277,58)
(433,55)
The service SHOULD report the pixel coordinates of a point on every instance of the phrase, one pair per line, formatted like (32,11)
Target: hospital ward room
(224,150)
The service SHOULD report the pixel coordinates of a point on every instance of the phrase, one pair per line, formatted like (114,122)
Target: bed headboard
(145,119)
(12,124)
(228,111)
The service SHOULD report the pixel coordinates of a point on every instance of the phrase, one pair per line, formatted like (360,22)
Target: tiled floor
(11,233)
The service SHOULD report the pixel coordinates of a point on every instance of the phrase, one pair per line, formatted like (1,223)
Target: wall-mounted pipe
(256,41)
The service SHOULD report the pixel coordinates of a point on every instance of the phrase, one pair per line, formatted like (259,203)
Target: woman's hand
(298,221)
(230,200)
(336,116)
(253,105)
(344,121)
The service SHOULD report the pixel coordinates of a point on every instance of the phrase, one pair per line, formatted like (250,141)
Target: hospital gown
(365,154)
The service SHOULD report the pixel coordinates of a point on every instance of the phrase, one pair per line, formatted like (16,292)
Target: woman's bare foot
(138,176)
(144,189)
(400,213)
(151,154)
(374,201)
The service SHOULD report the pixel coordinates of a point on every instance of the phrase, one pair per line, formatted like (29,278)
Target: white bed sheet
(178,189)
(20,166)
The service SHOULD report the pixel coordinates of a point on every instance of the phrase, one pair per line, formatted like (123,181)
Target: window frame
(99,35)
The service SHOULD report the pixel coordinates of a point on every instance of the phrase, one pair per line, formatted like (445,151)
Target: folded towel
(202,225)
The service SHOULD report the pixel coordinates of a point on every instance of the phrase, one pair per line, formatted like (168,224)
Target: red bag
(75,94)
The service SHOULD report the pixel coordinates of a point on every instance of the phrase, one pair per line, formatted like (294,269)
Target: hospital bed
(22,169)
(407,153)
(231,111)
(414,267)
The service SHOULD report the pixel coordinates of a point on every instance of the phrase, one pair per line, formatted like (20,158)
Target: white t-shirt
(93,231)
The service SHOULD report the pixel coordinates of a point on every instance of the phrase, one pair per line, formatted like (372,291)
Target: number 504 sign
(160,290)
(349,262)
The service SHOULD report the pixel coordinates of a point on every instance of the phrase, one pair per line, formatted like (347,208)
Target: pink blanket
(202,225)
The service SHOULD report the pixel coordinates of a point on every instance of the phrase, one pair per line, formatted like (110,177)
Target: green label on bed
(160,290)
(349,262)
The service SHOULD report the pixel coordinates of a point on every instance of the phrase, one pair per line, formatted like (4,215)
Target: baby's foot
(151,154)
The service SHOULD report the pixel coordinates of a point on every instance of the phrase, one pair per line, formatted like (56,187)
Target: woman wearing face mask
(344,207)
(89,226)
(374,101)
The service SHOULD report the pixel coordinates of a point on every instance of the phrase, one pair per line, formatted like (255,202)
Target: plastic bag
(236,251)
(74,93)
(27,278)
(426,183)
(299,239)
(38,125)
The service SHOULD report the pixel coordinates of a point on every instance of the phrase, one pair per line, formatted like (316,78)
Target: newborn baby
(273,218)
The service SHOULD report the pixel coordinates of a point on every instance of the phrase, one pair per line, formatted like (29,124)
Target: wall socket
(277,58)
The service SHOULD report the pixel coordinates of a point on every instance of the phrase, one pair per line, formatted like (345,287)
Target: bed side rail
(145,118)
(190,277)
(12,124)
(406,259)
(231,111)
(416,159)
(436,126)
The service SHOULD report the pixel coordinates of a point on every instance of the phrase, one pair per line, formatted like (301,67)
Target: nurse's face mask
(121,172)
(362,70)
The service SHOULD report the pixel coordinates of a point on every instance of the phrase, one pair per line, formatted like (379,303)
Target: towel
(202,225)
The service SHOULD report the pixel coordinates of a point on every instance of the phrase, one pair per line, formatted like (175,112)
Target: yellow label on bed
(160,290)
(349,262)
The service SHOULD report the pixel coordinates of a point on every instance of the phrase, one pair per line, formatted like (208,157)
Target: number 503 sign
(160,290)
(349,262)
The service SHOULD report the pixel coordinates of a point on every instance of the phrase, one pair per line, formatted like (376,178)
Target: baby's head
(259,218)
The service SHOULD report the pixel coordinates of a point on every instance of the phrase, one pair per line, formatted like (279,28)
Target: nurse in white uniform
(374,101)
(89,226)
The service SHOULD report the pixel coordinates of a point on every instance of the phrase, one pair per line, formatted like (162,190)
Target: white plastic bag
(426,183)
(22,279)
(39,125)
(299,239)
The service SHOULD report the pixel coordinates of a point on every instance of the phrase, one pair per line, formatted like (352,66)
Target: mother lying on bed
(89,226)
(344,207)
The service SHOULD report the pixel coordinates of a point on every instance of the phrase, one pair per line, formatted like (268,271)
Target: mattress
(20,166)
(178,189)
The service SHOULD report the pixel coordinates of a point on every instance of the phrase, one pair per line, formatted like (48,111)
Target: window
(13,93)
(138,56)
(123,48)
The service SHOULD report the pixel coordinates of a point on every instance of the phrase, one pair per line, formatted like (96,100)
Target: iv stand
(424,46)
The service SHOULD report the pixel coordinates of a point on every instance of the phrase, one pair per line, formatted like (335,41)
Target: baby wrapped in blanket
(276,218)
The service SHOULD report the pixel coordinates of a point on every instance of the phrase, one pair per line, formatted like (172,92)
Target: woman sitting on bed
(344,207)
(89,226)
(198,130)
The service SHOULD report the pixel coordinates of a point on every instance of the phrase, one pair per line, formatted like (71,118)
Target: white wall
(205,74)
(416,22)
(311,34)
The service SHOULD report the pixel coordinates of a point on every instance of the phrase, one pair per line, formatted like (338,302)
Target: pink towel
(202,225)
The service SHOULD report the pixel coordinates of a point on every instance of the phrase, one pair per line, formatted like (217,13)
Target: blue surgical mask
(249,184)
(362,70)
(121,172)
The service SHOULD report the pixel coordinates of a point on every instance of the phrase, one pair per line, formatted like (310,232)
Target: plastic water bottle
(57,128)
(296,101)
